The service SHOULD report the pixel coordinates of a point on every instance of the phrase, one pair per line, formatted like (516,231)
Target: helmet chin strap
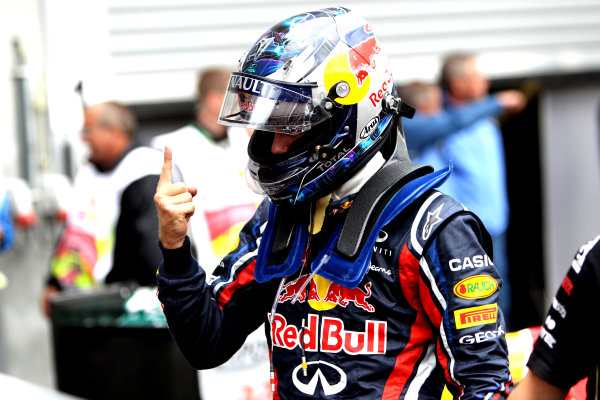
(398,141)
(400,149)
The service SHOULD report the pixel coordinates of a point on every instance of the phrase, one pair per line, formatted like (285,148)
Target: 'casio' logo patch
(476,287)
(478,261)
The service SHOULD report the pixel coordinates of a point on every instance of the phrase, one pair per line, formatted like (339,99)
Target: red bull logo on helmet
(386,87)
(338,70)
(355,65)
(330,335)
(363,48)
(322,294)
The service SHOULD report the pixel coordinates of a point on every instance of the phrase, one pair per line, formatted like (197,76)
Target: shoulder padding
(435,213)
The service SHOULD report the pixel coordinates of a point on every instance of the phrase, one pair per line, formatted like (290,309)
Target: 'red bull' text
(330,336)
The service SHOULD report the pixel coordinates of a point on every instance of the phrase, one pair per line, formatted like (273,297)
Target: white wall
(150,50)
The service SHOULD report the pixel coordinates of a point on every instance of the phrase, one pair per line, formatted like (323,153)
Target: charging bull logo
(296,288)
(322,294)
(363,48)
(342,296)
(354,66)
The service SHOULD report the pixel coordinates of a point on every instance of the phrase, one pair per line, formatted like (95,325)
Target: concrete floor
(25,335)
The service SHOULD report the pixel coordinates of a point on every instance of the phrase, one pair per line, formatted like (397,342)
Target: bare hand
(174,206)
(512,100)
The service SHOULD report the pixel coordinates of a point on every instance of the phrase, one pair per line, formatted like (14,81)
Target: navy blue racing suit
(424,316)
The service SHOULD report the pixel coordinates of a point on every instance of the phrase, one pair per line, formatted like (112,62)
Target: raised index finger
(167,169)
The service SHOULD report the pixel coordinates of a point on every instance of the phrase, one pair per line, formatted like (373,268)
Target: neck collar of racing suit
(344,255)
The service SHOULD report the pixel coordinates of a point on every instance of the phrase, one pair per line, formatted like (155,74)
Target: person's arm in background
(51,288)
(424,129)
(532,387)
(563,354)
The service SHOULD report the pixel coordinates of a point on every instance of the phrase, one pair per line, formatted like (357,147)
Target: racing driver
(370,283)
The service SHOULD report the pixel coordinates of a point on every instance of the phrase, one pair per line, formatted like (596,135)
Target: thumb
(167,169)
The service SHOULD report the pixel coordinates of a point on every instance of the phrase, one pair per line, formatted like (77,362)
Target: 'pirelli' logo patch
(474,316)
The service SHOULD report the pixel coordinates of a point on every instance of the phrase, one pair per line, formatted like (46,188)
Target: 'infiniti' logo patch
(329,388)
(382,237)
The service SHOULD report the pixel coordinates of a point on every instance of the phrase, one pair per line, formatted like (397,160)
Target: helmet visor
(270,105)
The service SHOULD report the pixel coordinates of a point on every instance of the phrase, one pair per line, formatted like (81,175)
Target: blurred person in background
(567,348)
(212,158)
(476,151)
(432,122)
(111,228)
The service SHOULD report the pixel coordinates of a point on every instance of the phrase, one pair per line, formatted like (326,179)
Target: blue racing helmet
(322,76)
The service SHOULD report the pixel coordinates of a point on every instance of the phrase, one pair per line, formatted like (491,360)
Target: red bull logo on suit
(331,336)
(322,294)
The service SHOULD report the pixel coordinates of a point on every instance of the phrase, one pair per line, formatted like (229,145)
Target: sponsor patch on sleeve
(476,287)
(473,316)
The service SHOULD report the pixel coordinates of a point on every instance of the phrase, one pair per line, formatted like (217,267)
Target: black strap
(286,223)
(370,202)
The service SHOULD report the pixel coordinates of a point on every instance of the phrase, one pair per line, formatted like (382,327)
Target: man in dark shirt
(110,233)
(566,350)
